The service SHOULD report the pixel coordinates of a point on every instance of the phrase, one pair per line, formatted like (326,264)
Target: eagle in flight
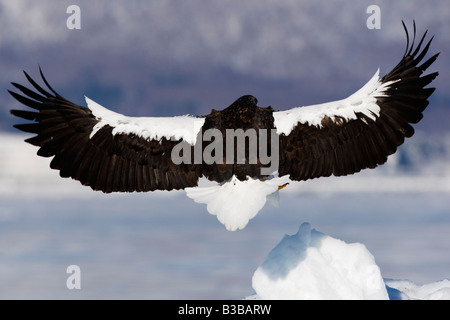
(115,153)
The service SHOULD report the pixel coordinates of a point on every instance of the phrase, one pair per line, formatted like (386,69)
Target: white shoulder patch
(362,101)
(151,128)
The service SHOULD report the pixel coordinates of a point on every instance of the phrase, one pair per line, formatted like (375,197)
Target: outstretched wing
(103,149)
(346,136)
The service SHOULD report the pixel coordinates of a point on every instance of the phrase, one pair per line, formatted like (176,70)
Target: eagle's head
(241,113)
(247,101)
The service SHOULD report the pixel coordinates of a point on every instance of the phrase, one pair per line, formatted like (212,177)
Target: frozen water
(164,246)
(312,265)
(406,290)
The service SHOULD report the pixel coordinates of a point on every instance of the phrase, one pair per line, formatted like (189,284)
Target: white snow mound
(312,265)
(407,290)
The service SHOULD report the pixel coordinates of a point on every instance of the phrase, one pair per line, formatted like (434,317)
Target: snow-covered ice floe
(312,265)
(407,290)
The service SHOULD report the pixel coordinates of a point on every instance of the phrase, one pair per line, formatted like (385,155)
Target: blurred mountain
(164,58)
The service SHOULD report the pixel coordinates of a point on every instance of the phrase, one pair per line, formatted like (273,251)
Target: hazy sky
(176,57)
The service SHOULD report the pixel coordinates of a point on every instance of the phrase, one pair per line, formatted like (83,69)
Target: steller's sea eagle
(115,153)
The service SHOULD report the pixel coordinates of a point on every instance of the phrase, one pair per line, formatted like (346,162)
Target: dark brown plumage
(126,162)
(343,147)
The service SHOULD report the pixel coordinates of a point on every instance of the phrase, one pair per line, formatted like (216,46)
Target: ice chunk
(406,290)
(312,265)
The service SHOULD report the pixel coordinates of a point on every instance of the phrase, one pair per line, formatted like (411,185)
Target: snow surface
(362,101)
(312,265)
(183,127)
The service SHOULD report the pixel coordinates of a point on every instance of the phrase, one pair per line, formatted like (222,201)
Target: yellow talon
(281,187)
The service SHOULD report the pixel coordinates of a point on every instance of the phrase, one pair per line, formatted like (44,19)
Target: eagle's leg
(282,186)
